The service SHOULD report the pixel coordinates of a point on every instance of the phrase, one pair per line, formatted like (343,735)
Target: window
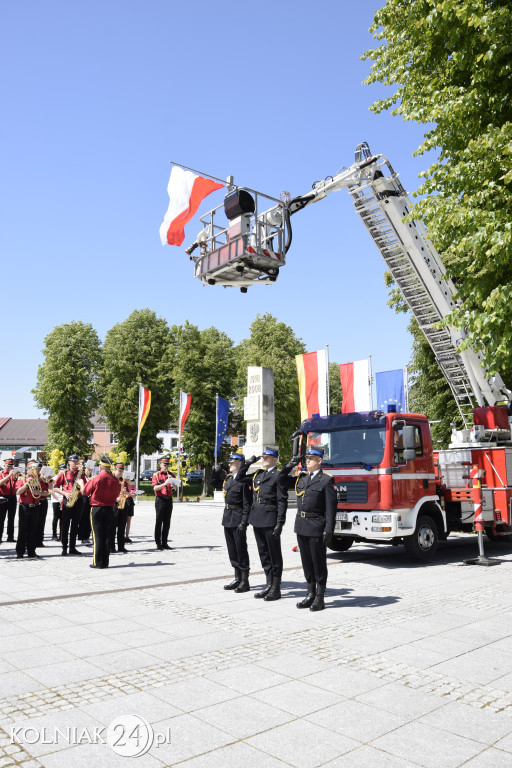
(113,438)
(399,444)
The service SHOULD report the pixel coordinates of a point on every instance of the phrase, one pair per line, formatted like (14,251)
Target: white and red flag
(312,373)
(186,190)
(355,384)
(185,401)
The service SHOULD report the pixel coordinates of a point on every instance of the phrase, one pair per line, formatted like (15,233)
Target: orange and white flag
(186,190)
(312,373)
(144,406)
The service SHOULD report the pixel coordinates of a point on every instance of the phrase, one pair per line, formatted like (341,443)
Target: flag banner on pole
(355,384)
(390,389)
(186,190)
(144,406)
(185,401)
(222,423)
(312,373)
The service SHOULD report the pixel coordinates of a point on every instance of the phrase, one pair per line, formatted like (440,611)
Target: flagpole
(137,467)
(327,375)
(370,381)
(406,382)
(179,449)
(216,426)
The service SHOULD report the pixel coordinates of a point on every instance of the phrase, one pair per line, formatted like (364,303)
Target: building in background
(22,439)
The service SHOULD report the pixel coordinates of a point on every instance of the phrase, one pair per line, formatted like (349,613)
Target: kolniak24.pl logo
(128,735)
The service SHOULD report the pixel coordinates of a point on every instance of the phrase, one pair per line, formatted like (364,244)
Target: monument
(259,410)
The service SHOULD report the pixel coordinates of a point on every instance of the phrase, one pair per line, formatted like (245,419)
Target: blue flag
(222,423)
(390,390)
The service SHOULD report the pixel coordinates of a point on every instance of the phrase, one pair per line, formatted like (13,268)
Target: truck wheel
(498,539)
(422,545)
(340,544)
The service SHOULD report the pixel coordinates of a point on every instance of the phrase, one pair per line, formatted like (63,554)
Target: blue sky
(97,97)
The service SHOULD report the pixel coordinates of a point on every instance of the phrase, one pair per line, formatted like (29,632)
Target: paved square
(409,665)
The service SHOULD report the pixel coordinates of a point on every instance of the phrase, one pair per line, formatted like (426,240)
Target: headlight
(381,518)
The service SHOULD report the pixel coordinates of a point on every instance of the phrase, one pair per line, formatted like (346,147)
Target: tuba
(32,480)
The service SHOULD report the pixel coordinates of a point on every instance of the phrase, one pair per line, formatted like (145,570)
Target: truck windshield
(350,446)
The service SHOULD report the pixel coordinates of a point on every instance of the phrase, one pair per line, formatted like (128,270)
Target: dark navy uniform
(268,516)
(237,491)
(316,513)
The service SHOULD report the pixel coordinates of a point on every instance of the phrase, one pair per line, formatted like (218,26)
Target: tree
(273,344)
(335,393)
(137,351)
(451,63)
(67,386)
(203,365)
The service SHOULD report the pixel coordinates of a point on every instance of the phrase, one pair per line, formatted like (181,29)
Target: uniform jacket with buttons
(316,495)
(270,499)
(238,495)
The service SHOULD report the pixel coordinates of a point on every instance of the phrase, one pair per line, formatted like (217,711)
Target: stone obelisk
(259,411)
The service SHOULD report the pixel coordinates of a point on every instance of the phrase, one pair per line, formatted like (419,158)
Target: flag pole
(327,375)
(370,380)
(406,382)
(216,427)
(137,467)
(179,449)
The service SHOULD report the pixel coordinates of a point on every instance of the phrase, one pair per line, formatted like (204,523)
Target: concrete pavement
(409,665)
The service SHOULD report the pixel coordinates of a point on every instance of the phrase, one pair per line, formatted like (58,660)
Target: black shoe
(275,592)
(244,583)
(308,600)
(18,557)
(64,553)
(74,551)
(318,603)
(34,557)
(123,551)
(93,566)
(236,581)
(11,541)
(159,547)
(128,541)
(55,538)
(41,545)
(264,592)
(166,546)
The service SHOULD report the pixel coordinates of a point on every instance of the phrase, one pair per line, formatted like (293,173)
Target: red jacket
(103,489)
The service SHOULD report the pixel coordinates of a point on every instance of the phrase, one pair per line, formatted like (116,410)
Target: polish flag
(355,384)
(185,401)
(312,373)
(186,190)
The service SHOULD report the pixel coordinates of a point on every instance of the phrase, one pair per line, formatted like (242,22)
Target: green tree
(135,352)
(451,65)
(67,386)
(273,344)
(335,393)
(203,365)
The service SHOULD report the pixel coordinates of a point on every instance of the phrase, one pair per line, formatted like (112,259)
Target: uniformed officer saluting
(268,515)
(238,497)
(314,524)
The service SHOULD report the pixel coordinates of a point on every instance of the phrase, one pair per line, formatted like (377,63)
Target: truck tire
(340,544)
(422,545)
(507,539)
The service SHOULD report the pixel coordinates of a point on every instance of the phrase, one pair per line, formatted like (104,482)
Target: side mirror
(409,435)
(295,448)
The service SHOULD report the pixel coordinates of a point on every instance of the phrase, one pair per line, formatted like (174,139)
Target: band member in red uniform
(8,498)
(162,484)
(104,492)
(57,511)
(8,480)
(28,517)
(43,506)
(64,485)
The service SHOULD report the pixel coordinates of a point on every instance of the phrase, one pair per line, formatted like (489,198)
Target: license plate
(341,515)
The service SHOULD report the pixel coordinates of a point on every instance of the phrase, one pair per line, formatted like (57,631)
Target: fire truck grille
(352,492)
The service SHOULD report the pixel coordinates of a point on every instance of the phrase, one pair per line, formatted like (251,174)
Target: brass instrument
(32,480)
(75,491)
(123,495)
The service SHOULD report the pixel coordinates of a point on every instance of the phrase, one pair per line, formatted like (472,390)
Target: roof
(4,421)
(23,432)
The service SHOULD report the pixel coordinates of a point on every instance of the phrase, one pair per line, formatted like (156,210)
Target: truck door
(413,477)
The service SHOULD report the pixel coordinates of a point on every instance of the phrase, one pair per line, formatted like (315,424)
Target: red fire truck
(392,486)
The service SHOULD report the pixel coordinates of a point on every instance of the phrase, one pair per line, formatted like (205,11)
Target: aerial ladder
(251,250)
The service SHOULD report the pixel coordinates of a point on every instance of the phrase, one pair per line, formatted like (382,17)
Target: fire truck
(392,486)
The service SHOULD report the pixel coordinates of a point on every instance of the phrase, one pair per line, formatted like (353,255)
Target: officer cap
(32,463)
(314,451)
(73,457)
(164,460)
(237,457)
(62,466)
(119,465)
(8,461)
(271,452)
(105,461)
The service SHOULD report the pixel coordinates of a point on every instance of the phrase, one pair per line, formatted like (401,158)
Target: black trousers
(57,517)
(11,514)
(163,507)
(313,554)
(237,549)
(27,529)
(4,506)
(69,524)
(43,509)
(112,537)
(269,550)
(101,524)
(84,526)
(122,514)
